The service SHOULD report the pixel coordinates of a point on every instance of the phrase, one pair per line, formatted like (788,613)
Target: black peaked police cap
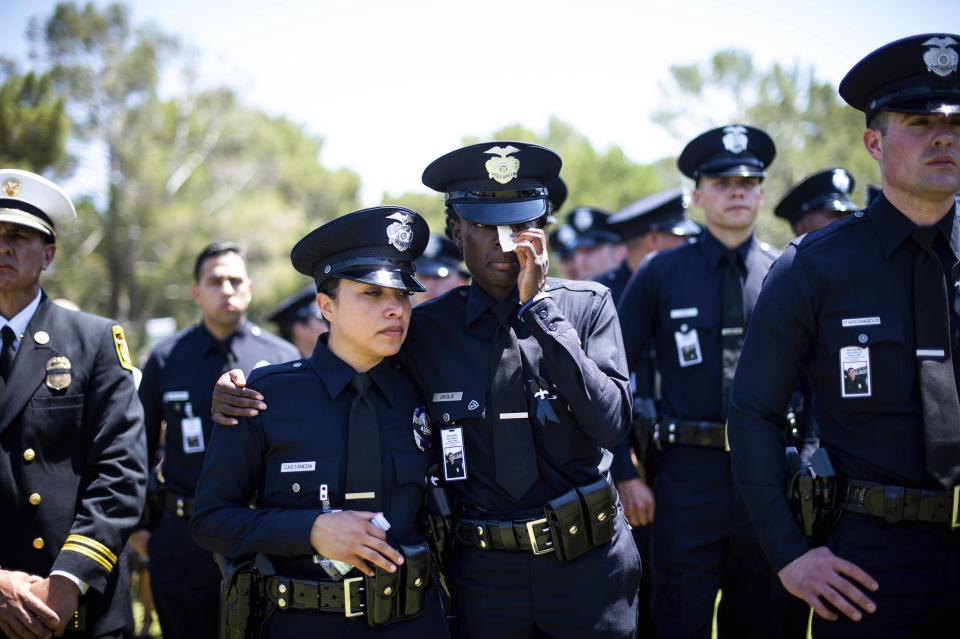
(664,211)
(737,149)
(827,190)
(496,183)
(374,246)
(917,74)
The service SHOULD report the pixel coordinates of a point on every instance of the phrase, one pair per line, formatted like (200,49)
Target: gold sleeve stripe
(89,553)
(96,545)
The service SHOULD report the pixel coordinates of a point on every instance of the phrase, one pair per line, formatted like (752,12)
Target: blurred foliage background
(185,171)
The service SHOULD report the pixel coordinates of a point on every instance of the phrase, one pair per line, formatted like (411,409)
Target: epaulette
(589,286)
(840,226)
(295,366)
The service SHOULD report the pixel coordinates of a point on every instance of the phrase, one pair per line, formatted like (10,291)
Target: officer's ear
(453,229)
(873,141)
(49,251)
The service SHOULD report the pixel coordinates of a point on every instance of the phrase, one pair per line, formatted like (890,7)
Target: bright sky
(392,84)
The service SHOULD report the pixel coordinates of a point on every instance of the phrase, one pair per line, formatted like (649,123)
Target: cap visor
(14,216)
(494,213)
(683,228)
(387,279)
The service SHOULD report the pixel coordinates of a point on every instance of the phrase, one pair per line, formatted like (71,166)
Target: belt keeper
(893,498)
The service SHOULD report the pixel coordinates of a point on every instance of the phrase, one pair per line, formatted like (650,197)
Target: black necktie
(6,355)
(229,359)
(515,459)
(938,388)
(364,486)
(732,328)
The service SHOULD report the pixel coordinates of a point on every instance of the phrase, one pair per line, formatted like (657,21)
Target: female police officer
(340,456)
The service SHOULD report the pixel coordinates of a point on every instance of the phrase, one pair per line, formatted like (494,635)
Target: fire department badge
(841,181)
(421,429)
(123,351)
(58,373)
(941,59)
(11,188)
(400,233)
(735,138)
(502,168)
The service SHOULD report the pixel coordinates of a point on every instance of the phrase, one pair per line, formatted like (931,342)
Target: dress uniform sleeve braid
(114,479)
(781,332)
(223,521)
(586,362)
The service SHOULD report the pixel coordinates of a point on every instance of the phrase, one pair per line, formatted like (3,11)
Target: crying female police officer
(336,468)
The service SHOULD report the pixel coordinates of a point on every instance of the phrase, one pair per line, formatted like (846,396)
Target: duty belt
(680,431)
(896,503)
(178,504)
(324,595)
(506,534)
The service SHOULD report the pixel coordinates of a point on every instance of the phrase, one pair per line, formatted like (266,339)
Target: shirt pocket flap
(450,408)
(862,331)
(299,478)
(410,468)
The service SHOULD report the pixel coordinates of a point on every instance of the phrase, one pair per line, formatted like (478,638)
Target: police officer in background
(561,241)
(299,320)
(344,441)
(873,292)
(819,200)
(175,390)
(74,464)
(439,269)
(693,303)
(654,223)
(597,246)
(525,376)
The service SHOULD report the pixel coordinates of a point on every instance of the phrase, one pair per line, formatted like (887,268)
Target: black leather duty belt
(506,534)
(896,503)
(680,431)
(323,595)
(178,504)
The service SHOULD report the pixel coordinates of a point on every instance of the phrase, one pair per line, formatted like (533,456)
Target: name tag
(448,397)
(298,467)
(680,313)
(176,396)
(860,321)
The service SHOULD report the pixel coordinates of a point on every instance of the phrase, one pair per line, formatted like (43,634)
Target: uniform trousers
(917,566)
(185,581)
(299,624)
(701,541)
(516,595)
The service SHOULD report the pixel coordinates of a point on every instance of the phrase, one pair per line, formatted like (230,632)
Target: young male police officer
(74,465)
(872,292)
(526,375)
(597,246)
(820,199)
(175,390)
(693,303)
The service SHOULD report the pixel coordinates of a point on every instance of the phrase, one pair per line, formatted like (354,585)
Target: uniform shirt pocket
(301,483)
(410,468)
(869,358)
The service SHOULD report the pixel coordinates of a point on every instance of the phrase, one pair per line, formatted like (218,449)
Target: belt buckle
(955,519)
(347,610)
(533,537)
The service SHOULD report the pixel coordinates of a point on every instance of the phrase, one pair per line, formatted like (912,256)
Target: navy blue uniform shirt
(679,290)
(850,284)
(286,455)
(616,280)
(178,382)
(570,340)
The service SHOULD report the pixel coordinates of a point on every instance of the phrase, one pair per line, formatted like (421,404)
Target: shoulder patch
(123,351)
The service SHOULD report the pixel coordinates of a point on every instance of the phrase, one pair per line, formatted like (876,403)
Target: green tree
(812,128)
(33,124)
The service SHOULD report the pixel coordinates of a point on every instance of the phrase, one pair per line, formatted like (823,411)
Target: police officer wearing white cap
(73,471)
(693,303)
(337,465)
(875,293)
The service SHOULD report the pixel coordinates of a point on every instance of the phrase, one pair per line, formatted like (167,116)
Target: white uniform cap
(32,200)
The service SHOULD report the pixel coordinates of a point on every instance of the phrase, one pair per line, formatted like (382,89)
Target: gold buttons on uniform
(387,591)
(418,582)
(38,543)
(281,589)
(35,499)
(601,516)
(29,454)
(282,602)
(574,530)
